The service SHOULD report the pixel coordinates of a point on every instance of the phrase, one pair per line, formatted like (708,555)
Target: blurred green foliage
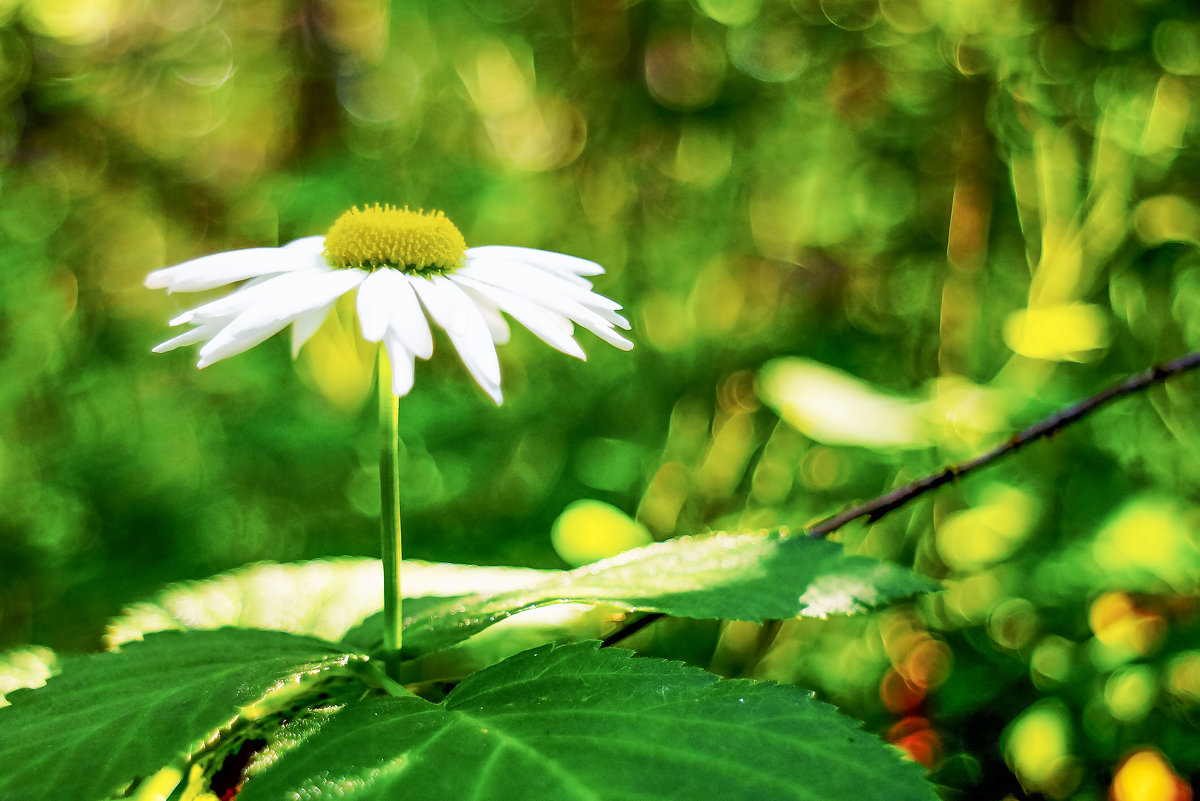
(858,239)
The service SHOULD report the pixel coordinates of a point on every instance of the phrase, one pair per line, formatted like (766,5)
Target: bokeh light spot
(1183,676)
(684,71)
(988,532)
(1146,776)
(771,52)
(972,598)
(731,12)
(336,361)
(897,694)
(75,21)
(1123,629)
(822,468)
(905,16)
(1129,692)
(588,531)
(1013,623)
(1177,46)
(1150,542)
(1051,661)
(1167,218)
(1038,749)
(1059,332)
(851,15)
(838,409)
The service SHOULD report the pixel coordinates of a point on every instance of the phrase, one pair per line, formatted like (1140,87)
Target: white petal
(535,285)
(610,336)
(306,325)
(445,303)
(242,298)
(609,316)
(494,393)
(593,321)
(553,262)
(406,318)
(372,306)
(587,318)
(453,310)
(553,329)
(572,307)
(522,279)
(497,325)
(498,269)
(219,269)
(308,247)
(548,295)
(268,316)
(403,365)
(201,333)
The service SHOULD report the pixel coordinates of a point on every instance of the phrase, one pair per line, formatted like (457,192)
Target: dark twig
(880,506)
(629,629)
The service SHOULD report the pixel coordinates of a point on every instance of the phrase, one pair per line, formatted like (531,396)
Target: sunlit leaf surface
(25,667)
(738,577)
(322,598)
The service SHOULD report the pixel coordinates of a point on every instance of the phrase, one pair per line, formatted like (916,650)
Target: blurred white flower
(408,267)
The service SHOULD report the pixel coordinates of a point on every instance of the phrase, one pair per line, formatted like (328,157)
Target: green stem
(389,516)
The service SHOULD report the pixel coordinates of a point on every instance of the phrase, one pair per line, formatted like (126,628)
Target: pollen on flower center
(385,236)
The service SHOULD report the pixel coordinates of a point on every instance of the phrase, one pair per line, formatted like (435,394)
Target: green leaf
(735,577)
(322,598)
(510,635)
(108,719)
(574,722)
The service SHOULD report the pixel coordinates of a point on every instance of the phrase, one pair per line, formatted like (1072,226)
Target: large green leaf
(573,722)
(108,719)
(322,598)
(735,577)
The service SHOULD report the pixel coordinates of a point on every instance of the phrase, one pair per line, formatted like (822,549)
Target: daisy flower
(409,268)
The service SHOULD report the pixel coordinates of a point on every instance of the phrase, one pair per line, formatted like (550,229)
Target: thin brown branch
(631,628)
(878,507)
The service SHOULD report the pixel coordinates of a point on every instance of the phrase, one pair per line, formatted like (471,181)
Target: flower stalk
(389,515)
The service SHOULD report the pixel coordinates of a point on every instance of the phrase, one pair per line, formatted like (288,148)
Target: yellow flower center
(384,236)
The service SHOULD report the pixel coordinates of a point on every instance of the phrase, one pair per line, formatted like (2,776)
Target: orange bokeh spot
(920,742)
(927,664)
(1146,776)
(1118,623)
(897,694)
(1108,610)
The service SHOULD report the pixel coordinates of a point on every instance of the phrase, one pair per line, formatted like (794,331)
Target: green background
(905,227)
